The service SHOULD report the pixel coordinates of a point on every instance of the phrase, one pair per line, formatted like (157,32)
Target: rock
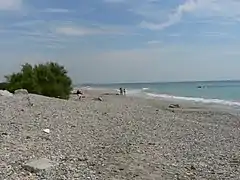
(39,165)
(29,101)
(121,168)
(151,143)
(192,167)
(174,106)
(21,91)
(4,134)
(99,99)
(5,93)
(82,158)
(46,131)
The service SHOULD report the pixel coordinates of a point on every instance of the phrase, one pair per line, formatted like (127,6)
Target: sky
(105,41)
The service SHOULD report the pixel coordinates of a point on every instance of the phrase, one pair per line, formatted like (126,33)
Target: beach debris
(5,93)
(174,106)
(46,130)
(39,165)
(21,91)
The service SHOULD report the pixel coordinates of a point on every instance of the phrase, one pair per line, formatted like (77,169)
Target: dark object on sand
(174,106)
(124,91)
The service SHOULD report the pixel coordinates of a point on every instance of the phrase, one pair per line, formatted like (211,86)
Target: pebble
(39,165)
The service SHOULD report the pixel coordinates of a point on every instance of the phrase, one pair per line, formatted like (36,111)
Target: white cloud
(174,35)
(217,34)
(54,10)
(84,31)
(10,4)
(224,9)
(29,23)
(54,46)
(188,6)
(154,42)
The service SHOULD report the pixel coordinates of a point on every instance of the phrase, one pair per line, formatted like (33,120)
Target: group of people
(122,91)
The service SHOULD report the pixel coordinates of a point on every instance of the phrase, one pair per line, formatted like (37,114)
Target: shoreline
(165,102)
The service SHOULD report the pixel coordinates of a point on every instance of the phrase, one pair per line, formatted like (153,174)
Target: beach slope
(120,138)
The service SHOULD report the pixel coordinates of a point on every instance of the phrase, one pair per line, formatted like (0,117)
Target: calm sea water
(222,92)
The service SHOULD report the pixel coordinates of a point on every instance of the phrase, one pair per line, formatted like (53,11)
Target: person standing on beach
(124,91)
(79,94)
(121,91)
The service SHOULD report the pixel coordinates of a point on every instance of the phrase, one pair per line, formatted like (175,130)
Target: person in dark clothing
(121,91)
(124,91)
(79,94)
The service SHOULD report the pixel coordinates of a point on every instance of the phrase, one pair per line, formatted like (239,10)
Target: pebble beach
(118,138)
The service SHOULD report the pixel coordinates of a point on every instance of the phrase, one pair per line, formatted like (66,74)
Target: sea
(209,92)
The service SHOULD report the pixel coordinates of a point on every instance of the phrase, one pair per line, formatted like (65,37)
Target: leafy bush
(3,86)
(49,79)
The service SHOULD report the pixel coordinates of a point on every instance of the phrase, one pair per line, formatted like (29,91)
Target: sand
(118,138)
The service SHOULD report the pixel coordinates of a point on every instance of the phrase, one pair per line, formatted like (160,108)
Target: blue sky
(124,40)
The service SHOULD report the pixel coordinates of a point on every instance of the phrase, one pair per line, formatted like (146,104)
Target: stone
(42,164)
(5,93)
(151,143)
(21,91)
(46,130)
(82,158)
(174,106)
(98,99)
(192,167)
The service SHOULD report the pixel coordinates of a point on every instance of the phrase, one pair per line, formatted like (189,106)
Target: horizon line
(162,82)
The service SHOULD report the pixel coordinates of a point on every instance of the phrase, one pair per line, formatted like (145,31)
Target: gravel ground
(120,138)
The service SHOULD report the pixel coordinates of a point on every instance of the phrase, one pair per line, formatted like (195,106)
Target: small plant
(49,79)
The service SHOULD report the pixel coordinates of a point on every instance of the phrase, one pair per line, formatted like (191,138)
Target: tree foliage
(49,79)
(3,85)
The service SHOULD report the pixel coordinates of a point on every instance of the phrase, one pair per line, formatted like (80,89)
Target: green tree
(3,85)
(49,79)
